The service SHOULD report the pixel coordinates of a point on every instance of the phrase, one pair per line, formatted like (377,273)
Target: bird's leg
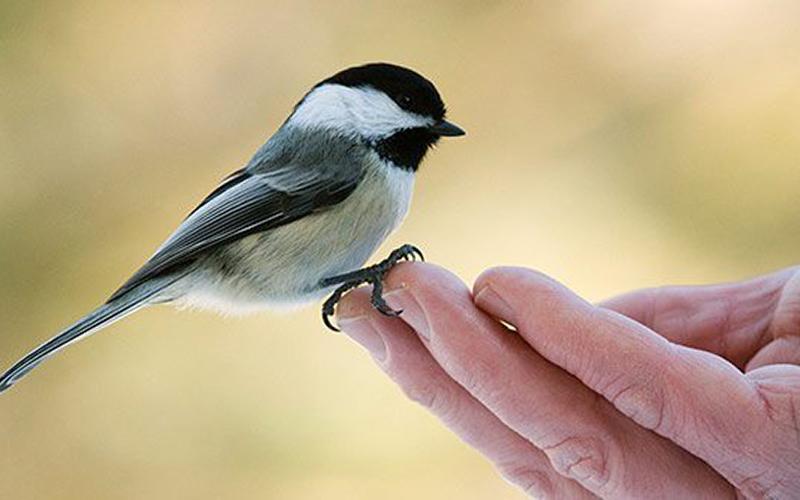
(372,275)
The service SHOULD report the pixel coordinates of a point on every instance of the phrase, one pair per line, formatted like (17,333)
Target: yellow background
(613,145)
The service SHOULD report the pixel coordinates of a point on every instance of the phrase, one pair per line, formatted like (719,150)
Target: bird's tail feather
(96,320)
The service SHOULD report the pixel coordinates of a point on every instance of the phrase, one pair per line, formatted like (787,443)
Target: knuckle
(646,393)
(479,378)
(532,481)
(642,402)
(584,459)
(474,377)
(436,398)
(422,393)
(758,486)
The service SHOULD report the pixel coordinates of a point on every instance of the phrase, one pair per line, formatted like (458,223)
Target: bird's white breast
(283,267)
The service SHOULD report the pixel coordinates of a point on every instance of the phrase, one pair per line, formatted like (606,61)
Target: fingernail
(361,330)
(486,298)
(402,299)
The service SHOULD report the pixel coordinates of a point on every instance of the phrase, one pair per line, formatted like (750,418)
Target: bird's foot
(372,275)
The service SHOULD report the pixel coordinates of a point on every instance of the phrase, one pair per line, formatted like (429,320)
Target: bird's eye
(404,100)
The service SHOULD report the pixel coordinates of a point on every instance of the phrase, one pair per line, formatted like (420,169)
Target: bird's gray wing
(247,203)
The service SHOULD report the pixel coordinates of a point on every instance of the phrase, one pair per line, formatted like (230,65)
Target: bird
(301,218)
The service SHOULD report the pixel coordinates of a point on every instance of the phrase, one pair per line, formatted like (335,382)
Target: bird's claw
(372,275)
(406,252)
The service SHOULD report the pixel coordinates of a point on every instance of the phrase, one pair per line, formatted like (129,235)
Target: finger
(784,330)
(785,350)
(729,320)
(402,356)
(584,437)
(692,397)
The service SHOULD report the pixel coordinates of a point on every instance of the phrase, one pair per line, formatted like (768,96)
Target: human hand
(589,400)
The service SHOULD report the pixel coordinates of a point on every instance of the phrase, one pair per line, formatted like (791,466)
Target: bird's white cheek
(363,111)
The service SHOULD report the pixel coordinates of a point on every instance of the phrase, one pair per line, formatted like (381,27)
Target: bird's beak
(446,129)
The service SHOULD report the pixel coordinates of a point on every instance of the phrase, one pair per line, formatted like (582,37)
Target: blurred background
(613,145)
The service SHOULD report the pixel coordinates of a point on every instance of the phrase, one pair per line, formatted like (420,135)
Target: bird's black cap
(410,90)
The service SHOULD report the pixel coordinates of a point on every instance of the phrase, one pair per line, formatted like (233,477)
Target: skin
(675,392)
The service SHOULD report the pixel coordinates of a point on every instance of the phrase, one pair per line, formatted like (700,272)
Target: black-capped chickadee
(303,216)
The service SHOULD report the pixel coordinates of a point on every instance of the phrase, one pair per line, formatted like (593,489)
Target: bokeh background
(613,145)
